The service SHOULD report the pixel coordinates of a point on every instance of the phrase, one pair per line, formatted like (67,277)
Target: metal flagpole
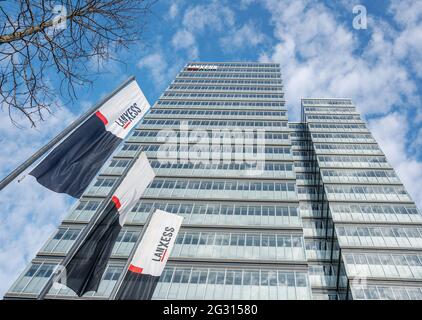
(38,154)
(89,226)
(115,290)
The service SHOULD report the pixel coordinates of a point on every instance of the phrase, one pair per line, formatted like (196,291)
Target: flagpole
(38,154)
(81,238)
(116,288)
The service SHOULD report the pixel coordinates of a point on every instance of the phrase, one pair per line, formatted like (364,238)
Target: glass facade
(365,213)
(272,209)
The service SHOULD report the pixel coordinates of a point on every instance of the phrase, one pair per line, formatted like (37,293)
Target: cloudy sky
(321,54)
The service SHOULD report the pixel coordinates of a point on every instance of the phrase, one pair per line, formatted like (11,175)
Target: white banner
(127,194)
(123,111)
(156,244)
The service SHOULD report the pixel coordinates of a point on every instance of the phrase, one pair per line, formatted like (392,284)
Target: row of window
(228,75)
(238,64)
(241,277)
(218,209)
(224,88)
(302,154)
(253,113)
(187,240)
(372,292)
(267,166)
(205,148)
(65,237)
(374,208)
(215,149)
(383,265)
(333,117)
(234,69)
(337,127)
(33,280)
(312,206)
(105,182)
(355,147)
(225,104)
(330,109)
(342,136)
(226,284)
(200,213)
(298,134)
(213,134)
(304,164)
(358,193)
(174,278)
(316,224)
(239,239)
(320,245)
(239,82)
(354,159)
(297,125)
(331,102)
(307,177)
(195,95)
(388,231)
(307,190)
(384,259)
(301,144)
(380,236)
(373,213)
(218,123)
(365,190)
(326,270)
(359,173)
(222,185)
(119,163)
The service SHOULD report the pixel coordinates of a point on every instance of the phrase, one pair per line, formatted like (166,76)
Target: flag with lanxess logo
(150,257)
(72,165)
(87,265)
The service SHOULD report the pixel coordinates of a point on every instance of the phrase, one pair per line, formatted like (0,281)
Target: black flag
(84,271)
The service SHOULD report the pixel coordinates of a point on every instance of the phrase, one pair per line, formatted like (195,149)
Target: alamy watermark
(214,147)
(360,21)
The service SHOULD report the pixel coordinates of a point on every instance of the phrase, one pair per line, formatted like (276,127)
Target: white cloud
(408,45)
(318,55)
(393,143)
(407,12)
(416,144)
(158,69)
(30,212)
(173,10)
(247,36)
(212,16)
(215,16)
(156,65)
(244,4)
(184,39)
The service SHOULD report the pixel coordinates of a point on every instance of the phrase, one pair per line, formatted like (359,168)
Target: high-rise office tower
(360,210)
(272,210)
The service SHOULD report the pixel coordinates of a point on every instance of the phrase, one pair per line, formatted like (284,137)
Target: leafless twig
(53,41)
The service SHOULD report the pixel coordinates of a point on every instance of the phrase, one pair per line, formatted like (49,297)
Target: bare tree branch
(42,41)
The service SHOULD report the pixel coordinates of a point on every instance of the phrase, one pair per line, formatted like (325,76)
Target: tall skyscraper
(272,209)
(360,210)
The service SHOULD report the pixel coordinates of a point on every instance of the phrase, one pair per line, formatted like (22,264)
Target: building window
(33,280)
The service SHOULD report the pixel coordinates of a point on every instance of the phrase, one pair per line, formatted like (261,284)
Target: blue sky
(321,55)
